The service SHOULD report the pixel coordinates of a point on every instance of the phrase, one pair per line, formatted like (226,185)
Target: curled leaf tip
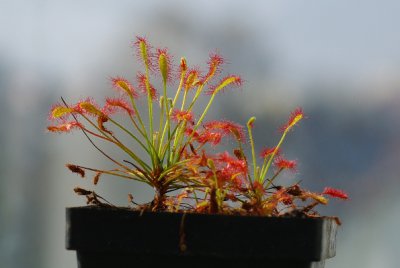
(251,121)
(183,65)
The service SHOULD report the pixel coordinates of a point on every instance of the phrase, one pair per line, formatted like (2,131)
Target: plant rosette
(175,152)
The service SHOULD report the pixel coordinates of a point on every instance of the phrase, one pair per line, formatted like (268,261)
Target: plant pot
(108,237)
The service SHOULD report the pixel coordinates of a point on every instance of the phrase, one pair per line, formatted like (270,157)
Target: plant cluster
(174,151)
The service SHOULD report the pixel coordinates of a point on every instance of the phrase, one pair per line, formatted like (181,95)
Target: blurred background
(338,59)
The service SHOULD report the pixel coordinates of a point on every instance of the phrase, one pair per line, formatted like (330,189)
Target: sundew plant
(181,160)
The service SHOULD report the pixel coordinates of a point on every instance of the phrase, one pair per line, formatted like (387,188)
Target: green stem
(159,135)
(149,103)
(163,149)
(167,125)
(263,173)
(196,96)
(142,131)
(115,173)
(184,100)
(271,158)
(177,91)
(178,140)
(203,115)
(119,144)
(170,112)
(253,154)
(130,134)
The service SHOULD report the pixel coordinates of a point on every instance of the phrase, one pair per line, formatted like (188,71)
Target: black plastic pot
(106,237)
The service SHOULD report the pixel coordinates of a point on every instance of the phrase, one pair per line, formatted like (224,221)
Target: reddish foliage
(124,86)
(335,193)
(211,137)
(65,127)
(258,187)
(294,118)
(114,105)
(227,128)
(142,80)
(192,78)
(268,151)
(179,116)
(214,66)
(283,163)
(183,65)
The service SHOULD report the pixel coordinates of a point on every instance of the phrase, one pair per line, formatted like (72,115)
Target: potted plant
(209,208)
